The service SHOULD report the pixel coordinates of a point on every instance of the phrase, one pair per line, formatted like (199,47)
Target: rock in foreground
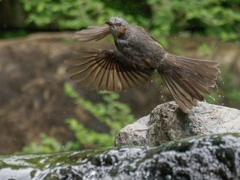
(212,157)
(167,122)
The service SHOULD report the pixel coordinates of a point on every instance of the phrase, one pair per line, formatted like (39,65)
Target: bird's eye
(118,24)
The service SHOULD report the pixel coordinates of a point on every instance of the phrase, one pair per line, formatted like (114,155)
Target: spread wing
(92,33)
(108,70)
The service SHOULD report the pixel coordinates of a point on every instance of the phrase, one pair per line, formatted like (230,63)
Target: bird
(134,62)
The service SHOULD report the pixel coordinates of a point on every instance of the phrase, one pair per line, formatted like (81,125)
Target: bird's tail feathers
(188,78)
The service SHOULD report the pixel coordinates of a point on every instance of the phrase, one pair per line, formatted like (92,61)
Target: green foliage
(49,145)
(114,113)
(216,18)
(68,91)
(13,34)
(204,47)
(71,14)
(88,137)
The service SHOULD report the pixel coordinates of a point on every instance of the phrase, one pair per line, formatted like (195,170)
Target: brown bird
(139,54)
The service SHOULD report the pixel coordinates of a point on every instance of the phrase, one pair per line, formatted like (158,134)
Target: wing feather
(105,70)
(92,33)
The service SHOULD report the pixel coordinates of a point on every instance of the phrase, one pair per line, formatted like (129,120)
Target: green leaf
(41,6)
(204,47)
(69,91)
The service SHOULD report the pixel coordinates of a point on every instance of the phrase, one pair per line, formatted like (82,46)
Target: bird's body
(140,46)
(137,56)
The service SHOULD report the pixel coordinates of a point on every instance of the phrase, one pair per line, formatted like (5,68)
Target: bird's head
(118,26)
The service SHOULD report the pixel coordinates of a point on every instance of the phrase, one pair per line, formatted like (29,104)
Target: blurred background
(42,111)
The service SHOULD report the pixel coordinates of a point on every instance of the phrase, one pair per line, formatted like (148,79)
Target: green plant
(49,145)
(13,34)
(114,113)
(204,47)
(71,14)
(216,18)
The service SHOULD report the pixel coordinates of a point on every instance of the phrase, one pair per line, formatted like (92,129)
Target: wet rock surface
(167,122)
(212,157)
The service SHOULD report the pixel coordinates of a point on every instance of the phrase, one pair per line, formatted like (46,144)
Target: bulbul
(137,56)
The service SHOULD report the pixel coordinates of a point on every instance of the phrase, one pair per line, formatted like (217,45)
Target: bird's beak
(109,23)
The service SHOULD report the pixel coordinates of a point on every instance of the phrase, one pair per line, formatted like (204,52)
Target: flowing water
(207,157)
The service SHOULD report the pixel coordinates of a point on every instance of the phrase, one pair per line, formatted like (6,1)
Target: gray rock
(167,122)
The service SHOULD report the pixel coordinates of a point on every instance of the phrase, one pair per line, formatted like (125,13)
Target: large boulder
(167,122)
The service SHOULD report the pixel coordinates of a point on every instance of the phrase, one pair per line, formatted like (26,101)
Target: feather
(104,70)
(92,33)
(187,78)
